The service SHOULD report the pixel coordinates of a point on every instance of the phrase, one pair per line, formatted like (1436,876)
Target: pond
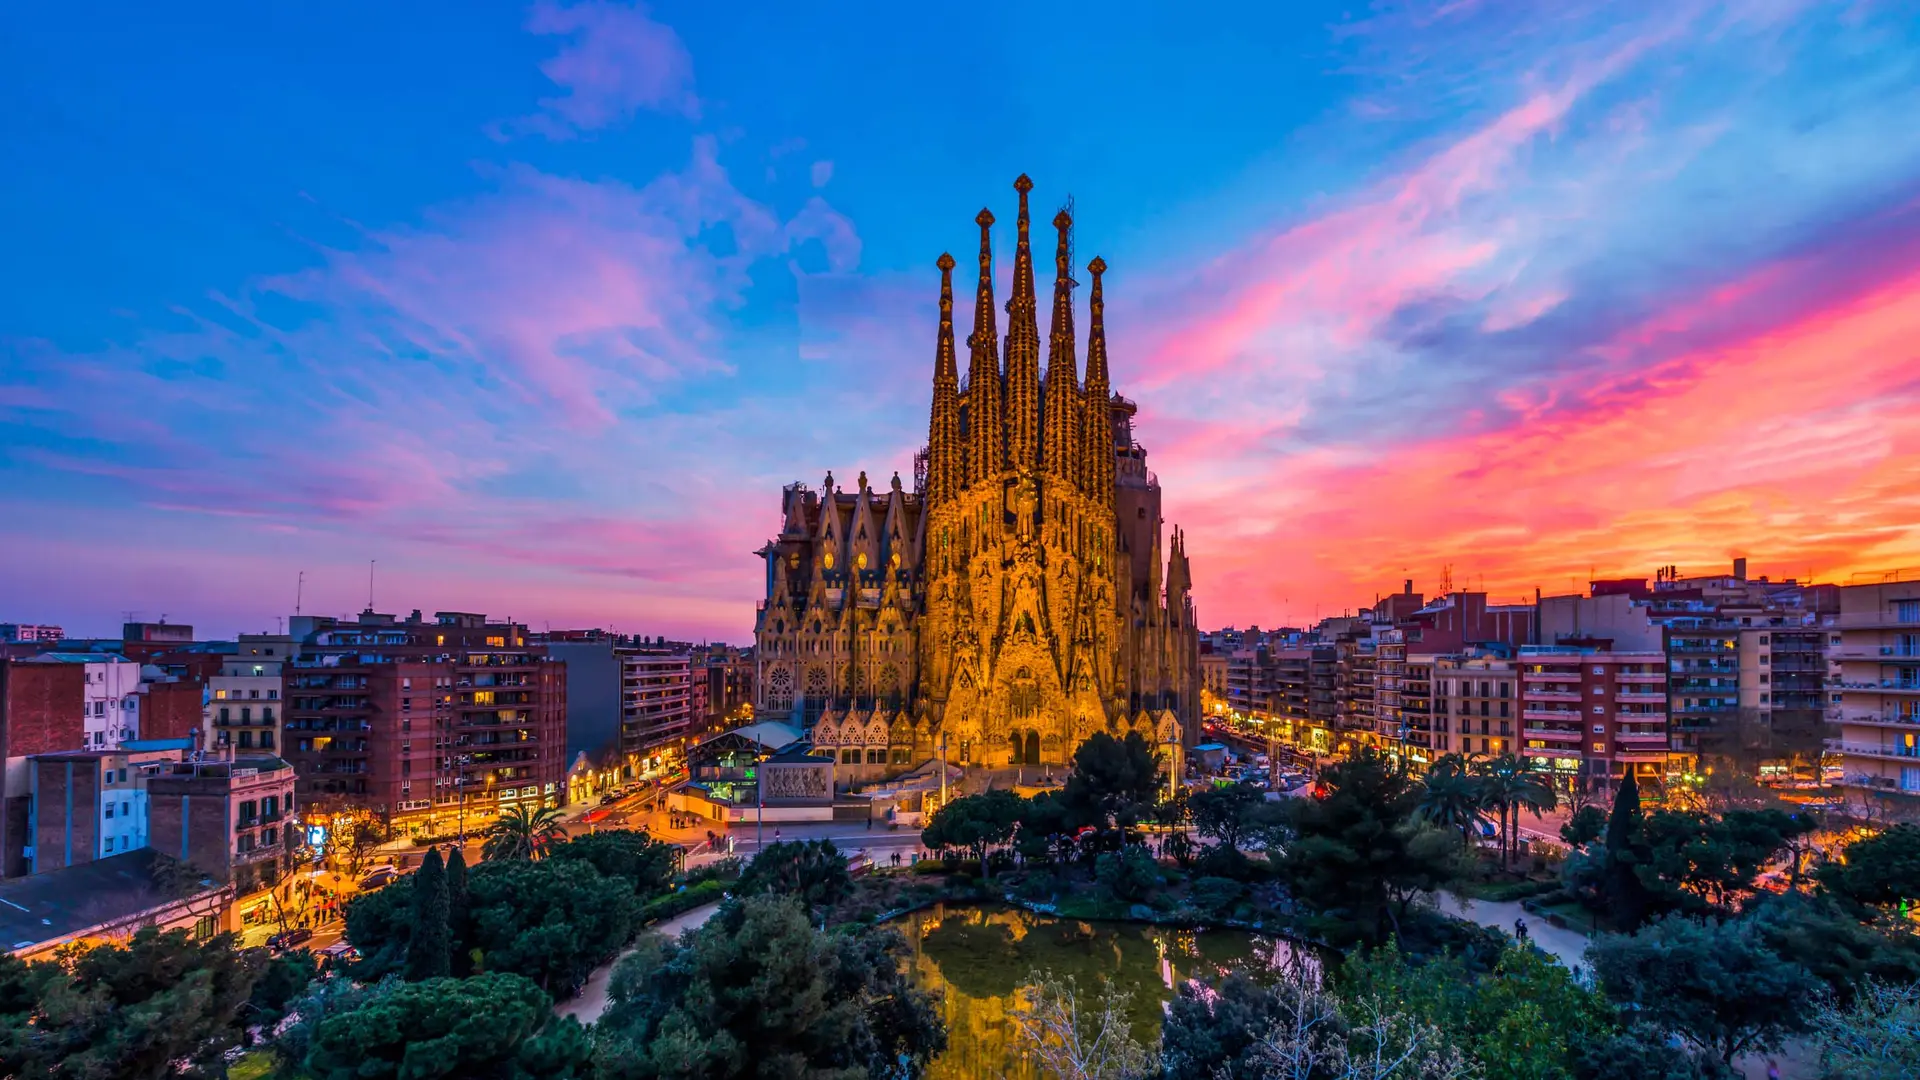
(982,960)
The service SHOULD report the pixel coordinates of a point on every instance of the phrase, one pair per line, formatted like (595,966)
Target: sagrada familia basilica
(1019,598)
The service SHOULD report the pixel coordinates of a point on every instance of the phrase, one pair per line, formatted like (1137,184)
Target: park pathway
(591,1001)
(1800,1060)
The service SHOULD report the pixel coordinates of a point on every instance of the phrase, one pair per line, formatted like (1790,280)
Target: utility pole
(943,768)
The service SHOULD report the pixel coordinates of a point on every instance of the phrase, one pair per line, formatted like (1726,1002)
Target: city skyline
(537,305)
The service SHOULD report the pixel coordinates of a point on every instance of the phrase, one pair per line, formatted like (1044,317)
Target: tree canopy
(812,871)
(488,1025)
(134,1010)
(758,992)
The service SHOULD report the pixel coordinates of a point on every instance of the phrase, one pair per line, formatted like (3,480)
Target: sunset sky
(537,307)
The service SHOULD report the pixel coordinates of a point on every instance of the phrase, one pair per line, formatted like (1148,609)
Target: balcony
(1633,697)
(1886,719)
(1888,751)
(1886,784)
(1552,695)
(1641,676)
(1568,675)
(1551,735)
(1641,738)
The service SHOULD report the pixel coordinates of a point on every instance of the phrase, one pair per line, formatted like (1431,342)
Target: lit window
(1599,748)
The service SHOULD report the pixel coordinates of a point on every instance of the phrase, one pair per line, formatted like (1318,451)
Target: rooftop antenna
(299,591)
(370,584)
(1446,579)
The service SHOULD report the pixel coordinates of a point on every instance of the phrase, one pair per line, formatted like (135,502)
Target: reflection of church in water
(1018,599)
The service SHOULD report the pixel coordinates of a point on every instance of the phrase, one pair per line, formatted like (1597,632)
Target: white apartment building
(1877,699)
(110,697)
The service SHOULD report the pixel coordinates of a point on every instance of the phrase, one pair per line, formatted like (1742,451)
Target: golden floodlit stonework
(1019,598)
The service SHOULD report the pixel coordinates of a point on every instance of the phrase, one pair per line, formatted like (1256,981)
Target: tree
(1355,856)
(1585,826)
(812,871)
(1509,784)
(282,979)
(1454,798)
(1316,1035)
(459,913)
(975,822)
(1075,1040)
(1880,873)
(1715,983)
(1877,1037)
(757,992)
(430,946)
(1819,935)
(489,1025)
(1626,897)
(1224,812)
(159,1006)
(1212,1029)
(523,832)
(630,855)
(1113,782)
(1130,873)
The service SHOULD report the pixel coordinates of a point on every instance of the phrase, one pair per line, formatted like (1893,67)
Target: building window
(246,715)
(1599,729)
(266,740)
(1504,707)
(223,716)
(1599,748)
(1599,708)
(246,740)
(849,757)
(109,811)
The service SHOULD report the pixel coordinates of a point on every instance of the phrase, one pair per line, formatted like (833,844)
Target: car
(859,865)
(378,878)
(287,939)
(338,952)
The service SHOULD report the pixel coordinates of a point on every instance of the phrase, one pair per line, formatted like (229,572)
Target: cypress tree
(429,947)
(1622,823)
(458,907)
(1626,896)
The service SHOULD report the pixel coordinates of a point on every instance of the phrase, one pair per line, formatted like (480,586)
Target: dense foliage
(758,991)
(489,1025)
(811,871)
(159,1005)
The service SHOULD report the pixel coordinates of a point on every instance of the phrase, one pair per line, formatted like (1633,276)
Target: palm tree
(1453,798)
(523,833)
(1509,783)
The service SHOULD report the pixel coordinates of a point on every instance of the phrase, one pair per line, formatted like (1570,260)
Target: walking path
(1567,946)
(592,1000)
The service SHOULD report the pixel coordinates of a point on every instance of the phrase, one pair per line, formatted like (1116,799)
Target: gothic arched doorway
(1030,751)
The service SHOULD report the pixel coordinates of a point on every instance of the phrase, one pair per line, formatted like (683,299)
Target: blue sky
(539,305)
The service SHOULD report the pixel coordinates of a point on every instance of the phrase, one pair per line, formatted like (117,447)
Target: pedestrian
(776,834)
(1520,929)
(1773,1069)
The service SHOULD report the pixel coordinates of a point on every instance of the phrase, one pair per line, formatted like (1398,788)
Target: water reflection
(982,960)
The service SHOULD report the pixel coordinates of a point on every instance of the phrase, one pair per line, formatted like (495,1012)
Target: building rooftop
(78,658)
(66,902)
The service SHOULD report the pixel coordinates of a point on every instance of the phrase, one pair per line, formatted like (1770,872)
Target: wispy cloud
(617,61)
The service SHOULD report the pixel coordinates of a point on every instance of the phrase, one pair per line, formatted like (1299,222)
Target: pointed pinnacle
(984,218)
(1098,266)
(1023,185)
(945,262)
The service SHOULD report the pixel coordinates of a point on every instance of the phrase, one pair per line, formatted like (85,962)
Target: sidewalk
(592,1000)
(1567,946)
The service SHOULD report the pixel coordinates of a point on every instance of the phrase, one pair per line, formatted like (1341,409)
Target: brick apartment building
(232,817)
(1591,714)
(39,714)
(425,723)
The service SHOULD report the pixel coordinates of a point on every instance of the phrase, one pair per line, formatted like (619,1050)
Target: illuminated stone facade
(1019,598)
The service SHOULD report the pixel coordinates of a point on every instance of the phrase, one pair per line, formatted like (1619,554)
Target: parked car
(287,939)
(859,865)
(339,951)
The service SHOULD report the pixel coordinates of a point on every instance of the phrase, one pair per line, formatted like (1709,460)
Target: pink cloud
(617,62)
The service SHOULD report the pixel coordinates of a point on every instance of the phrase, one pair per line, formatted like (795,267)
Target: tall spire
(986,454)
(1023,350)
(1062,401)
(1098,473)
(945,468)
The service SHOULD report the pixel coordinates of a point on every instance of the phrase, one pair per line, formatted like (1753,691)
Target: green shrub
(679,903)
(1217,896)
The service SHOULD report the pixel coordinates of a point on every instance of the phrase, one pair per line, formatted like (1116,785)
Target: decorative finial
(863,479)
(1023,185)
(946,262)
(1098,266)
(984,218)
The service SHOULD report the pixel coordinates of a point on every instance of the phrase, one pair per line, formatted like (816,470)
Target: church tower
(1020,599)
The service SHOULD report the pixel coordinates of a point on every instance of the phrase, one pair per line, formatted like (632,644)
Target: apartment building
(1591,714)
(656,706)
(233,818)
(1877,662)
(1475,701)
(91,804)
(424,722)
(243,707)
(109,700)
(30,633)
